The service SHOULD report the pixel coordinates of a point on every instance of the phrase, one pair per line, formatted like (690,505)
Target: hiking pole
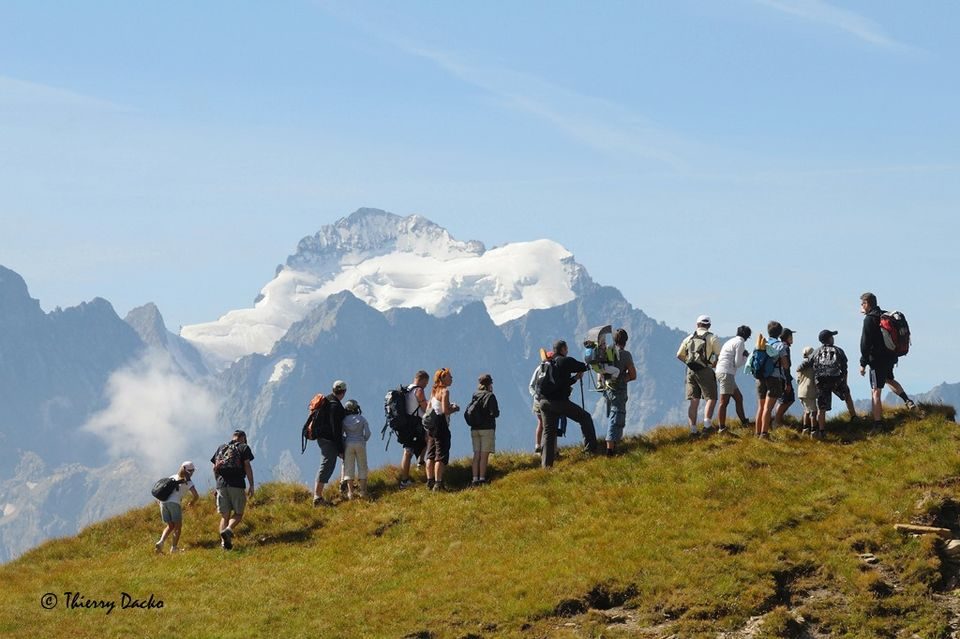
(582,403)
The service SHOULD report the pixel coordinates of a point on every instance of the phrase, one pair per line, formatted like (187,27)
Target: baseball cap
(703,319)
(188,466)
(786,333)
(239,433)
(339,386)
(825,335)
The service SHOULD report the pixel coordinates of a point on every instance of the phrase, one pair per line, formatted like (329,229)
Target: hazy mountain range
(96,408)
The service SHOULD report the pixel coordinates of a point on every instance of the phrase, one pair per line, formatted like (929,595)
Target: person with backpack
(616,392)
(534,388)
(562,372)
(330,439)
(481,415)
(699,351)
(769,376)
(875,353)
(830,376)
(415,403)
(232,472)
(356,432)
(437,424)
(807,392)
(787,399)
(733,355)
(171,510)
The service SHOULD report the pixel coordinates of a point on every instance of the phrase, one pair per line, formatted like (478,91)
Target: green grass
(695,537)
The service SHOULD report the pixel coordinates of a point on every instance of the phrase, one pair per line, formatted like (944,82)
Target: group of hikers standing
(711,372)
(421,421)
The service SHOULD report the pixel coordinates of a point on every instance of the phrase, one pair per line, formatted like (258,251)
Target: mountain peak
(368,232)
(387,261)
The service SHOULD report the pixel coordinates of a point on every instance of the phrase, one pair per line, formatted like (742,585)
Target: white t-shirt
(178,492)
(413,406)
(731,357)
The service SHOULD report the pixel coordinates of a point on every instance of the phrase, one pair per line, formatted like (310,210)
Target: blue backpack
(760,364)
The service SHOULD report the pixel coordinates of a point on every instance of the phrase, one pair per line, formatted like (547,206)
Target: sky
(748,159)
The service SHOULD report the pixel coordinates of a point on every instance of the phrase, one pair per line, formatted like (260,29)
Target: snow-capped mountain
(388,261)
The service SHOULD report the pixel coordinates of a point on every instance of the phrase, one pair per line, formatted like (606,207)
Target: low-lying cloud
(156,415)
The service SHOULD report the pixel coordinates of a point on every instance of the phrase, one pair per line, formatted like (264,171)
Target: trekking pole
(582,403)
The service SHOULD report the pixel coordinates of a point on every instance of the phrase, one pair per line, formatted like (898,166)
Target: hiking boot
(805,432)
(226,539)
(405,483)
(159,547)
(765,436)
(707,430)
(344,489)
(430,484)
(438,487)
(694,434)
(910,404)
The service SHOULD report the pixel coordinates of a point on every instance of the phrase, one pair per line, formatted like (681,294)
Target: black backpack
(164,488)
(476,413)
(545,384)
(826,362)
(406,427)
(228,458)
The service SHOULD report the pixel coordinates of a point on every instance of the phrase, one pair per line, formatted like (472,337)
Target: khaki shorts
(231,499)
(171,512)
(727,383)
(701,383)
(484,441)
(809,404)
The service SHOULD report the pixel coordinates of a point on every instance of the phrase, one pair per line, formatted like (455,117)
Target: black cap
(825,336)
(786,333)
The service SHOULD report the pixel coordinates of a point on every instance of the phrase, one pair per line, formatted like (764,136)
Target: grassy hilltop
(722,537)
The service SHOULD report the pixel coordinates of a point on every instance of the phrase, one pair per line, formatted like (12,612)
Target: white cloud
(155,415)
(834,17)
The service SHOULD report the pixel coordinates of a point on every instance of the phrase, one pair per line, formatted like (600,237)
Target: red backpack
(315,420)
(896,332)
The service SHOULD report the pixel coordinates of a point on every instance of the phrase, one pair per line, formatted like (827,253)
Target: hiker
(330,440)
(562,373)
(356,432)
(232,472)
(535,394)
(482,415)
(830,376)
(699,351)
(616,392)
(788,397)
(732,357)
(416,407)
(881,360)
(770,379)
(437,424)
(171,511)
(807,392)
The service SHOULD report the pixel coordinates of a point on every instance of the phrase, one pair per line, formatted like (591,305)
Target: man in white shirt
(733,355)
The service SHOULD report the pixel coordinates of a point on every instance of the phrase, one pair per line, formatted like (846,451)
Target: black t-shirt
(229,476)
(564,368)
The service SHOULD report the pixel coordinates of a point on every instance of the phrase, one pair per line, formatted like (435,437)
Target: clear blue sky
(751,159)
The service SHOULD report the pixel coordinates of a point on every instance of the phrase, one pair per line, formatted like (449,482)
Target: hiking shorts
(171,512)
(231,499)
(438,446)
(484,440)
(771,387)
(809,404)
(701,383)
(880,374)
(727,383)
(826,388)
